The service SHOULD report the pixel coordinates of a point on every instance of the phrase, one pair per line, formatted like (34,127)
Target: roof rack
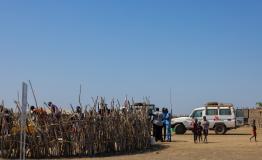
(212,103)
(216,104)
(227,105)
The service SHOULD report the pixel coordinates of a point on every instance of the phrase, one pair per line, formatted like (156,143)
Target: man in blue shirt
(167,123)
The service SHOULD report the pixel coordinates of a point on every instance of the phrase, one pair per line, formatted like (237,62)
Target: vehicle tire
(180,129)
(220,129)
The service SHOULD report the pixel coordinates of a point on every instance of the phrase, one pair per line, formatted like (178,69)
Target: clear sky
(205,50)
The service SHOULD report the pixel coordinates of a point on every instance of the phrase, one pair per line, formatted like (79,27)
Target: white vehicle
(221,117)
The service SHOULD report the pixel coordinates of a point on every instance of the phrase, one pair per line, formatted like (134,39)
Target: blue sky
(204,50)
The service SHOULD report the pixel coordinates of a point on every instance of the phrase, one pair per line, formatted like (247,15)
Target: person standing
(164,122)
(205,124)
(167,123)
(195,126)
(199,132)
(158,125)
(254,130)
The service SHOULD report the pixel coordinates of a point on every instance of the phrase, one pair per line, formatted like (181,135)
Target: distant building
(251,114)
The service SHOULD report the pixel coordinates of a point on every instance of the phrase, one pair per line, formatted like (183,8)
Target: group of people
(200,129)
(56,113)
(162,124)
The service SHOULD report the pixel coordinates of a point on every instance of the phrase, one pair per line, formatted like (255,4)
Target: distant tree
(259,104)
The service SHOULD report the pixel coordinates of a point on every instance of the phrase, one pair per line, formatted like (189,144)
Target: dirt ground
(233,146)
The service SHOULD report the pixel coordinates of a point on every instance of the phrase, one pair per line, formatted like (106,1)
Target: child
(199,132)
(254,129)
(195,126)
(205,124)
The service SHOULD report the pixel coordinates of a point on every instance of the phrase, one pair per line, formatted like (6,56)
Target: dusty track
(233,146)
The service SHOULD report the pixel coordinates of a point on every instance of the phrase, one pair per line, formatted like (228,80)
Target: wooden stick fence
(88,134)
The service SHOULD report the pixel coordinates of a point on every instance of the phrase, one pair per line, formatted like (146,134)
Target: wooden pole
(79,97)
(33,93)
(23,121)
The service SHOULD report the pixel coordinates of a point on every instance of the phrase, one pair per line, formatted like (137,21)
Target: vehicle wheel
(220,129)
(180,129)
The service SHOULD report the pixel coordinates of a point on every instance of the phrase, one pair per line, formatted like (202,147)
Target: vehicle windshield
(197,114)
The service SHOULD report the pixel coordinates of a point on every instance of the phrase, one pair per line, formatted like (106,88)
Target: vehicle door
(197,114)
(212,116)
(241,117)
(226,115)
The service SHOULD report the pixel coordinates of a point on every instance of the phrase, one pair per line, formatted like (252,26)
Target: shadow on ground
(179,141)
(154,148)
(227,134)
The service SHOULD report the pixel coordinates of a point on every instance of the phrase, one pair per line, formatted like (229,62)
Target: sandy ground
(233,146)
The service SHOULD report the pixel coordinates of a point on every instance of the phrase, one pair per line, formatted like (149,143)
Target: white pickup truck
(221,117)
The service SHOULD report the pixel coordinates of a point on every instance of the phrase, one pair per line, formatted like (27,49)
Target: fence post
(23,121)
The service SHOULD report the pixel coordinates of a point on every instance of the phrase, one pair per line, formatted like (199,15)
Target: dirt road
(233,146)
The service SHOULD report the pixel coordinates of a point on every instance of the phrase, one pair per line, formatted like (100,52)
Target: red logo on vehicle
(216,118)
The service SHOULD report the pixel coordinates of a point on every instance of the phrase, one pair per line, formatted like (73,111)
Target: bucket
(152,140)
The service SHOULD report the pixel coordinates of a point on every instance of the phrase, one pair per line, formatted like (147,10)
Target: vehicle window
(197,113)
(240,113)
(225,112)
(211,112)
